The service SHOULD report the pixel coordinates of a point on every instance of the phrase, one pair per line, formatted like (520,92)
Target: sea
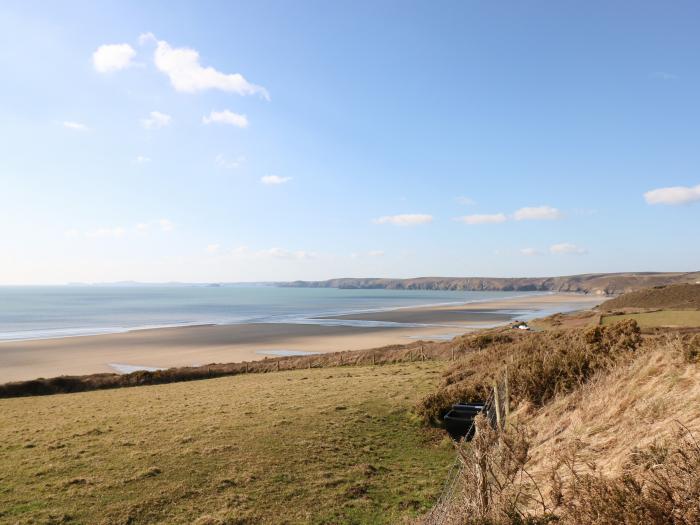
(40,312)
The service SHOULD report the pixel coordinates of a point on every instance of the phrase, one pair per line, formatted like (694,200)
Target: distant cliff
(594,283)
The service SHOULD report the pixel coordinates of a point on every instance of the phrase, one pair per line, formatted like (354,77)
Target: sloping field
(681,296)
(667,318)
(303,446)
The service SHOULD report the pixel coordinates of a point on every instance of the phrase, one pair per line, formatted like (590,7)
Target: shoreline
(195,345)
(318,318)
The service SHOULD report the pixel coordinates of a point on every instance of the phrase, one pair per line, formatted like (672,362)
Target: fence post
(452,350)
(246,367)
(278,366)
(497,403)
(373,359)
(422,353)
(506,401)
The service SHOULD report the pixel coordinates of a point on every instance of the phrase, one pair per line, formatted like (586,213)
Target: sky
(255,141)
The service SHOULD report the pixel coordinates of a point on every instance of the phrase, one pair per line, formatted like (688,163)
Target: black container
(459,420)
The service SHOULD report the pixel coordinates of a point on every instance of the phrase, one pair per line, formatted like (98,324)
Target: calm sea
(35,312)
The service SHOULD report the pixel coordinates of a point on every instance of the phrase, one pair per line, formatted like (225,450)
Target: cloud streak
(482,218)
(274,180)
(226,117)
(566,248)
(406,219)
(673,195)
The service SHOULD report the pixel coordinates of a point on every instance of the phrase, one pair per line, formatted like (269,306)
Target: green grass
(308,446)
(675,318)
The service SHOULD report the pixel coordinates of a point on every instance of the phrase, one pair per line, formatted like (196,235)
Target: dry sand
(198,345)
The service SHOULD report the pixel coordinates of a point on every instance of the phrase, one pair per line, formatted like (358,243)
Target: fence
(497,411)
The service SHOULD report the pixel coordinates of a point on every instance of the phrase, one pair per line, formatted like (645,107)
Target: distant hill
(678,296)
(594,283)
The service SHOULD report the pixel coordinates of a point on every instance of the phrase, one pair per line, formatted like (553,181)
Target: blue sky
(238,141)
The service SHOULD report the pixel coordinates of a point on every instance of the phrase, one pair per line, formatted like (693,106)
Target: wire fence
(496,410)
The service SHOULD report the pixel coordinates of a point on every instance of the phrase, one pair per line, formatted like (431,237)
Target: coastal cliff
(599,284)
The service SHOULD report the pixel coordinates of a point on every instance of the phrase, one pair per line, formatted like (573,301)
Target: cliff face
(601,283)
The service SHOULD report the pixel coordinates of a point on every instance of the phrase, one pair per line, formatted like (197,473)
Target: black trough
(459,420)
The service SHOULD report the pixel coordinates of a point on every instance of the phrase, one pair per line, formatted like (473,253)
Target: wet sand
(198,345)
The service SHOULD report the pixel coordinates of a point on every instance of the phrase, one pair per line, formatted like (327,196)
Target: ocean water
(36,312)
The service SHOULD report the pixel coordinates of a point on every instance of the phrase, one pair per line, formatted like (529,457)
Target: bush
(540,365)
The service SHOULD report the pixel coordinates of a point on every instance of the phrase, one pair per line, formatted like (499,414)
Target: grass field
(314,446)
(675,318)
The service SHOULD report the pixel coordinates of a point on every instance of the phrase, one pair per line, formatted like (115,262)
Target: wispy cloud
(493,218)
(530,252)
(226,117)
(223,162)
(376,253)
(274,180)
(566,248)
(164,225)
(673,195)
(141,159)
(537,213)
(407,219)
(75,126)
(213,248)
(186,74)
(113,57)
(156,120)
(465,201)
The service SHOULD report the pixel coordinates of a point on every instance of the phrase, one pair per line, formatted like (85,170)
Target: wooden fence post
(373,363)
(452,351)
(278,366)
(497,402)
(506,395)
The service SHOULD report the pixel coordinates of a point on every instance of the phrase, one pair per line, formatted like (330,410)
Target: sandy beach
(198,345)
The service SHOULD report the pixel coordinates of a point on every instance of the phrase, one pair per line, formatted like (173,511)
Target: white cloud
(156,120)
(224,162)
(280,253)
(566,248)
(113,57)
(376,253)
(493,218)
(272,180)
(673,195)
(186,74)
(406,219)
(537,213)
(529,252)
(72,233)
(213,248)
(140,159)
(465,201)
(164,225)
(76,126)
(226,117)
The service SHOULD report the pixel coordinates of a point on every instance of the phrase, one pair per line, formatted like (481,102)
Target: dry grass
(670,318)
(306,446)
(541,365)
(681,296)
(618,448)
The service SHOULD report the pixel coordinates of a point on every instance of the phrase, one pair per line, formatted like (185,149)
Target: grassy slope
(637,404)
(309,446)
(680,296)
(674,318)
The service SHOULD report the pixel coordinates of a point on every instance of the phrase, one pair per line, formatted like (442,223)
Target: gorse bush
(540,365)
